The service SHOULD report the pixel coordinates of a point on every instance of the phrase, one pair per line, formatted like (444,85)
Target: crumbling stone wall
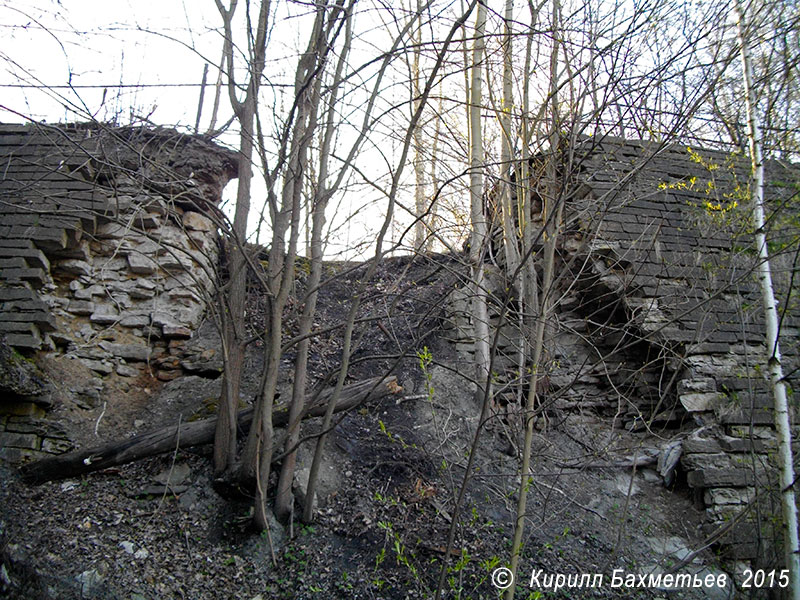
(659,326)
(108,249)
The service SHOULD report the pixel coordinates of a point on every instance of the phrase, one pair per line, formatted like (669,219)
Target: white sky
(87,43)
(128,60)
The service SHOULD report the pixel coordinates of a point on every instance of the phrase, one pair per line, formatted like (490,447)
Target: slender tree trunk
(782,421)
(509,211)
(319,203)
(233,321)
(478,241)
(551,217)
(434,207)
(420,207)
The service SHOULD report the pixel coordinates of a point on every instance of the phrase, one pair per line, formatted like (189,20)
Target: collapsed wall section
(108,243)
(659,324)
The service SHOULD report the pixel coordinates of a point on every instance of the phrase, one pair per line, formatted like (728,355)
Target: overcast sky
(105,45)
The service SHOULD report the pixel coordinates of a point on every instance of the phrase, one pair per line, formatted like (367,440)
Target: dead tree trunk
(185,435)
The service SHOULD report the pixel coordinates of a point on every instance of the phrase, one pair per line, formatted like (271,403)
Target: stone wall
(659,324)
(108,250)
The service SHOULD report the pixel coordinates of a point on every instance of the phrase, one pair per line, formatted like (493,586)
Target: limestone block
(112,230)
(149,247)
(80,307)
(175,259)
(200,240)
(701,446)
(111,265)
(88,293)
(152,204)
(134,320)
(141,264)
(728,495)
(147,220)
(136,352)
(735,444)
(104,314)
(729,415)
(710,478)
(173,239)
(29,441)
(92,352)
(98,366)
(697,384)
(718,460)
(73,266)
(702,401)
(121,300)
(122,203)
(757,432)
(127,371)
(167,375)
(56,446)
(197,222)
(178,332)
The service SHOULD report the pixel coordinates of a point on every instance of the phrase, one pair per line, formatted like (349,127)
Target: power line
(96,86)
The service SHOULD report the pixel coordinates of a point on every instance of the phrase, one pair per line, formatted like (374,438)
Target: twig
(572,500)
(97,423)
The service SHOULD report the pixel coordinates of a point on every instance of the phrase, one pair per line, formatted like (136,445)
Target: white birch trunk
(782,425)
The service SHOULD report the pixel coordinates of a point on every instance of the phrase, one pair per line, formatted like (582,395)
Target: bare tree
(234,296)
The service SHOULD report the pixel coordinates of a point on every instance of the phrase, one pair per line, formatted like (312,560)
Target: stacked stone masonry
(108,244)
(659,325)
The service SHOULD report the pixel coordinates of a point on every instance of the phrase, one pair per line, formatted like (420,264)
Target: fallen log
(184,435)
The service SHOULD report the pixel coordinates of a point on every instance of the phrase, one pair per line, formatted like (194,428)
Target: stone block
(141,265)
(696,384)
(12,262)
(98,366)
(735,496)
(142,292)
(127,371)
(744,417)
(112,230)
(735,444)
(42,319)
(56,446)
(702,401)
(29,441)
(74,266)
(134,320)
(81,252)
(36,277)
(81,307)
(16,293)
(104,314)
(32,341)
(706,478)
(50,238)
(701,446)
(197,222)
(19,328)
(167,375)
(88,293)
(135,352)
(147,220)
(756,432)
